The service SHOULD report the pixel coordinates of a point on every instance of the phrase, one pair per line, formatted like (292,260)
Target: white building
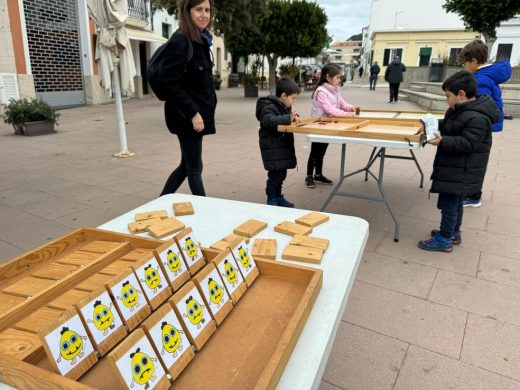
(508,42)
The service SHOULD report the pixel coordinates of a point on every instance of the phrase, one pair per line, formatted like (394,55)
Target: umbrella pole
(120,117)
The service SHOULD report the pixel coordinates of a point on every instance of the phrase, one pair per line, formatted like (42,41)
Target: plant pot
(35,128)
(250,91)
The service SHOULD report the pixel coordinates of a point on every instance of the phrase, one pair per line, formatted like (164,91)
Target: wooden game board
(391,114)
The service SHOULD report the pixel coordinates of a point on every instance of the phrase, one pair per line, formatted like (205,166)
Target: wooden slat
(302,253)
(29,286)
(183,208)
(264,247)
(138,254)
(312,219)
(151,214)
(54,271)
(291,228)
(67,300)
(36,321)
(21,345)
(311,242)
(82,257)
(94,282)
(116,267)
(140,226)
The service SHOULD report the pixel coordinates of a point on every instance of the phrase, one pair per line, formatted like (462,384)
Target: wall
(509,32)
(420,74)
(7,62)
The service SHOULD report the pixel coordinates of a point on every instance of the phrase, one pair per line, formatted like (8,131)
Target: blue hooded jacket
(488,79)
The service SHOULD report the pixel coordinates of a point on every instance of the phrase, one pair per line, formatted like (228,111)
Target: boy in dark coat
(277,149)
(462,154)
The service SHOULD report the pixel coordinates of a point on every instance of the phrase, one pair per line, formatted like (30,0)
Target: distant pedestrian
(352,73)
(374,74)
(361,71)
(394,77)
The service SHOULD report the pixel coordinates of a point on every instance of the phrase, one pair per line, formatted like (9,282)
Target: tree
(484,16)
(290,29)
(357,37)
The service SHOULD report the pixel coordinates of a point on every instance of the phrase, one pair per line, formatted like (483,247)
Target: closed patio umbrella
(114,56)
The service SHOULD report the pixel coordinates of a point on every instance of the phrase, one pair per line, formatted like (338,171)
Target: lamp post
(395,19)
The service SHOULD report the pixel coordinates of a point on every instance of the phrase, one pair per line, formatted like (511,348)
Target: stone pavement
(413,320)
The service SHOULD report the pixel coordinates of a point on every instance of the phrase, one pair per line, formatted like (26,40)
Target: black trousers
(373,82)
(476,196)
(451,213)
(318,150)
(394,91)
(190,167)
(273,188)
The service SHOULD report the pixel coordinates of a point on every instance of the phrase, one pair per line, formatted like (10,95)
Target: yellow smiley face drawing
(152,278)
(231,272)
(191,248)
(129,296)
(71,345)
(173,262)
(244,257)
(103,318)
(142,368)
(194,312)
(171,339)
(215,292)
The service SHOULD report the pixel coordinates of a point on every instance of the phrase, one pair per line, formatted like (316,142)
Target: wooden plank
(9,302)
(37,320)
(302,253)
(312,219)
(82,258)
(162,214)
(250,228)
(29,286)
(67,300)
(94,282)
(183,208)
(21,345)
(138,254)
(100,246)
(165,227)
(311,242)
(140,226)
(116,267)
(264,247)
(54,271)
(291,228)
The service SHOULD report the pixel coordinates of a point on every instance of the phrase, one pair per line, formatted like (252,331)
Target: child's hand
(436,141)
(294,116)
(421,130)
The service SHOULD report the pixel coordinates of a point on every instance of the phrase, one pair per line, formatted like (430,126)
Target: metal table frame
(378,151)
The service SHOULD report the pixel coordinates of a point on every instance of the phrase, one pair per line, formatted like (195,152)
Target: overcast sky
(346,17)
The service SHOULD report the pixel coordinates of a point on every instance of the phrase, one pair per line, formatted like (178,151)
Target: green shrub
(21,111)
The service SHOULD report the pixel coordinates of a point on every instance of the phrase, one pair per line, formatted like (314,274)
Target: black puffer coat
(277,148)
(394,72)
(463,153)
(189,87)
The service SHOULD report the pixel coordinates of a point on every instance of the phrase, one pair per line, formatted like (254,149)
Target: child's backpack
(153,70)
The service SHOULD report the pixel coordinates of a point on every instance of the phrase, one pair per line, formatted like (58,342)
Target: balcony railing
(138,9)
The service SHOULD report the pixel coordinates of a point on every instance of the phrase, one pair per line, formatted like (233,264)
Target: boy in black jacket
(462,154)
(277,149)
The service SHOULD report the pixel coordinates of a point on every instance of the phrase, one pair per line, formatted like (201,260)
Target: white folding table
(378,151)
(216,218)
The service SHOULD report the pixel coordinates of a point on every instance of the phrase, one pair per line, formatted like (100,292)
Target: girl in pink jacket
(326,101)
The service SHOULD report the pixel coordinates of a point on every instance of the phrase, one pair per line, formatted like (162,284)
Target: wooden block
(213,292)
(29,286)
(220,245)
(94,282)
(55,271)
(129,299)
(172,263)
(130,356)
(116,267)
(250,228)
(103,323)
(231,276)
(183,208)
(21,345)
(79,258)
(153,282)
(190,250)
(66,300)
(311,242)
(35,321)
(68,345)
(264,247)
(227,242)
(312,219)
(291,228)
(190,309)
(246,264)
(165,227)
(162,214)
(302,253)
(168,337)
(140,226)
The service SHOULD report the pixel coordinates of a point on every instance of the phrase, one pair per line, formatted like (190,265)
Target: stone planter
(35,128)
(250,91)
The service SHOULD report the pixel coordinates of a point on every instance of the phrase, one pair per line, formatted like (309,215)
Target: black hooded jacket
(463,153)
(277,149)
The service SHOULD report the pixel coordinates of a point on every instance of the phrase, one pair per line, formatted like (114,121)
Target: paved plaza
(414,320)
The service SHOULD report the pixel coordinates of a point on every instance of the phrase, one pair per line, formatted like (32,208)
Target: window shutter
(8,87)
(386,57)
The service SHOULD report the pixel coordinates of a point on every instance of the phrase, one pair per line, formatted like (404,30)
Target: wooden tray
(390,129)
(248,356)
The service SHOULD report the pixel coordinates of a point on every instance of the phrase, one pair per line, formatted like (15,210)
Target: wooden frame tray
(390,129)
(280,300)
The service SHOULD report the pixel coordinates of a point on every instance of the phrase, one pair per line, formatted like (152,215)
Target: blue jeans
(451,213)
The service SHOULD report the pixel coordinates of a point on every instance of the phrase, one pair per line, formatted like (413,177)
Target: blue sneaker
(456,237)
(470,202)
(284,202)
(436,243)
(272,202)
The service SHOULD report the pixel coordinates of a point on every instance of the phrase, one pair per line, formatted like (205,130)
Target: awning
(143,35)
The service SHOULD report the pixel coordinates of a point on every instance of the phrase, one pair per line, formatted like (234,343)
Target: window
(504,51)
(425,54)
(166,28)
(390,54)
(454,56)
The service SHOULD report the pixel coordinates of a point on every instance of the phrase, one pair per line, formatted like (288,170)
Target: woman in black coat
(394,77)
(190,95)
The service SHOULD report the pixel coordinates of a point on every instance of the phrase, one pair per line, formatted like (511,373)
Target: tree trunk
(489,43)
(273,63)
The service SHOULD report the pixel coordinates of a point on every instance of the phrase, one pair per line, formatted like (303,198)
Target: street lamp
(395,19)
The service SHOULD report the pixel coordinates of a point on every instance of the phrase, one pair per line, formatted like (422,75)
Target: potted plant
(217,81)
(250,82)
(30,117)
